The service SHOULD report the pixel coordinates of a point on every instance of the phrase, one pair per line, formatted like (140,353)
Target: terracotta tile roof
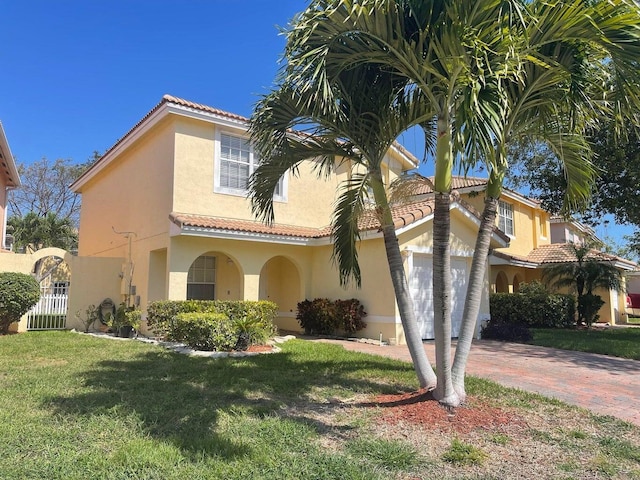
(249,226)
(201,107)
(513,258)
(563,253)
(457,183)
(403,215)
(178,101)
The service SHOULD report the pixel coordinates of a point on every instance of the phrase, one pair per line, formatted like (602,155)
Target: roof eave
(9,160)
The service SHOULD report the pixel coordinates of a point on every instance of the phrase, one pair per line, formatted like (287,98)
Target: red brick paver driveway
(602,384)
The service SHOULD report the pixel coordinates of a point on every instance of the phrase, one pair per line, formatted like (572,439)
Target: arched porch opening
(280,283)
(502,283)
(517,280)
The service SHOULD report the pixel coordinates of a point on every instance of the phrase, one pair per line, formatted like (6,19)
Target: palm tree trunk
(424,371)
(474,295)
(445,393)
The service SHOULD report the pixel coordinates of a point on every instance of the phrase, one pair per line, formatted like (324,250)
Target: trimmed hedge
(533,307)
(252,320)
(322,316)
(206,331)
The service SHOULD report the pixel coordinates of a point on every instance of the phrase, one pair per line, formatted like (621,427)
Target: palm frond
(350,207)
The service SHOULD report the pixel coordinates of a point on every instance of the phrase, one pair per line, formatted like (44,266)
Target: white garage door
(420,284)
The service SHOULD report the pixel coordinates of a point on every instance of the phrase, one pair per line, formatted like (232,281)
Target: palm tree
(470,60)
(538,52)
(441,48)
(554,102)
(37,232)
(351,121)
(585,275)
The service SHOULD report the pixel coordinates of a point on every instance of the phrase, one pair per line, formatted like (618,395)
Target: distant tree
(18,293)
(584,276)
(37,231)
(633,244)
(45,188)
(617,186)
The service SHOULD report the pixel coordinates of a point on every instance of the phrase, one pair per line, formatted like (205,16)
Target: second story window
(505,218)
(236,162)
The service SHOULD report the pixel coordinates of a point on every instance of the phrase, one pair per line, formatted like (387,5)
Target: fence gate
(50,313)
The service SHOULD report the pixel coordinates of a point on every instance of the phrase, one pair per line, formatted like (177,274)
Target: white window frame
(253,164)
(505,216)
(205,271)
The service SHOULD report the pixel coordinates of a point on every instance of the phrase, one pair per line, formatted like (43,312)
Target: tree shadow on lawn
(179,398)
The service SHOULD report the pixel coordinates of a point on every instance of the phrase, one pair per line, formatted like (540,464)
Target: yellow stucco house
(9,179)
(537,240)
(170,198)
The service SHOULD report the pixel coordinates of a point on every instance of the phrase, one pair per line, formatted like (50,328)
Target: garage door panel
(421,287)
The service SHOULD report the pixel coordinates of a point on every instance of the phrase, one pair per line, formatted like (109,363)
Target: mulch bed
(420,408)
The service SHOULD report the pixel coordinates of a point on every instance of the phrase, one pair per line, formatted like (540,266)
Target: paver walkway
(605,385)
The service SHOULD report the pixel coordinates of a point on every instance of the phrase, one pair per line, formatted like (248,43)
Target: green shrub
(205,331)
(533,306)
(588,307)
(317,317)
(253,330)
(252,319)
(507,332)
(322,316)
(349,314)
(18,293)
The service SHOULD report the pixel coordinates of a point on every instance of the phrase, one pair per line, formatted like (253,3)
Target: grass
(633,320)
(77,407)
(618,342)
(461,453)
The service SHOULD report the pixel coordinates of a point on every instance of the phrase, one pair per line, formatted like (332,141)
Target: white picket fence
(50,313)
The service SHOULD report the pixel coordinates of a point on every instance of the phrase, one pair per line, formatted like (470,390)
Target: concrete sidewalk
(605,385)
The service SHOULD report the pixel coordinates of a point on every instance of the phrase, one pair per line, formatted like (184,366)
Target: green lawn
(77,407)
(618,342)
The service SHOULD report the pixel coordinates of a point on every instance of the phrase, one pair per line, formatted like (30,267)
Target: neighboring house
(565,231)
(9,179)
(537,240)
(170,198)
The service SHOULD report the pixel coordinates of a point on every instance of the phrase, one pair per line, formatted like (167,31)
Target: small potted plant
(125,321)
(132,319)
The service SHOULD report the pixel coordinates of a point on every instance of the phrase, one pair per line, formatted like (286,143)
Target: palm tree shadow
(180,399)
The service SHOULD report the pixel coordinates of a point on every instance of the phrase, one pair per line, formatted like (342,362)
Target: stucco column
(177,286)
(252,286)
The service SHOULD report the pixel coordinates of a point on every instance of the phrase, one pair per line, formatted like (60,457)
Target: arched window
(201,279)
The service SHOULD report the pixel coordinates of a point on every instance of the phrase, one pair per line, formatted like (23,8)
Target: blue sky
(76,75)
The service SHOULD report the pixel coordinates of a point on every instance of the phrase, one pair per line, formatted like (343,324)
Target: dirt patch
(420,408)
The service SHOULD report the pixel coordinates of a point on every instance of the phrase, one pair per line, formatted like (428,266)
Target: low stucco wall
(92,280)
